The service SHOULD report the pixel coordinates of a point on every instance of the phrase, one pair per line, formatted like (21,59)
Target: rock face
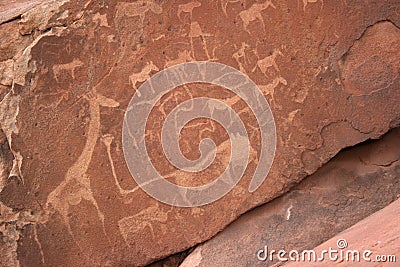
(356,183)
(329,70)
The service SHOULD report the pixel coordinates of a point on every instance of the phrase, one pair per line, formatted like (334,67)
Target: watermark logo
(151,91)
(339,254)
(341,243)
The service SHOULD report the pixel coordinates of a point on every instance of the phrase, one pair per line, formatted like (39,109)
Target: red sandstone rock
(12,9)
(72,83)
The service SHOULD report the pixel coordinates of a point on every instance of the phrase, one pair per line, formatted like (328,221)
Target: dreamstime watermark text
(337,254)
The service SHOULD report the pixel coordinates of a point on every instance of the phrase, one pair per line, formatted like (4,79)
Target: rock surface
(173,260)
(356,183)
(70,199)
(12,9)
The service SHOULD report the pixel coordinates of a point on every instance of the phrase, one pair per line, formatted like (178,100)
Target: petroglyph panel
(74,71)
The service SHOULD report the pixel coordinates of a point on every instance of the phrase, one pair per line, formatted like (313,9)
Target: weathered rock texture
(329,69)
(13,9)
(379,233)
(173,260)
(356,183)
